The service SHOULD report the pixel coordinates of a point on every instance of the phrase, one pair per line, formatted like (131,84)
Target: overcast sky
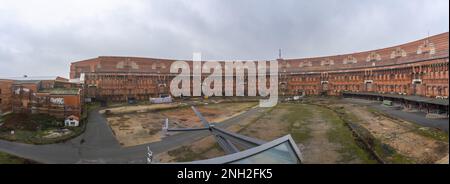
(42,37)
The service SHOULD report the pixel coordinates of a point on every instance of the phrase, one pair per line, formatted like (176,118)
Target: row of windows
(433,75)
(373,56)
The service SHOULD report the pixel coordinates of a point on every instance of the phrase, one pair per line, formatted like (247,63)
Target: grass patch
(186,154)
(297,118)
(300,116)
(384,151)
(32,122)
(11,159)
(340,133)
(432,133)
(254,120)
(389,154)
(92,105)
(32,128)
(37,137)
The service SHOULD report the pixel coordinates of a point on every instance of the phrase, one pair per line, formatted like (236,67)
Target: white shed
(72,121)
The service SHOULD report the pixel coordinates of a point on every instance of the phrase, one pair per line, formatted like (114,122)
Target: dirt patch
(185,117)
(443,160)
(203,149)
(139,108)
(269,126)
(145,125)
(318,149)
(401,135)
(136,129)
(206,148)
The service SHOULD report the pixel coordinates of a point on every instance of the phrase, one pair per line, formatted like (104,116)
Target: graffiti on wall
(57,101)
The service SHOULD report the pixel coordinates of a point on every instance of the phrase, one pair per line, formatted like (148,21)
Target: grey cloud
(35,43)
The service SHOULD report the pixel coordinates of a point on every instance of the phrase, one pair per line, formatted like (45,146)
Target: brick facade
(56,97)
(5,96)
(416,68)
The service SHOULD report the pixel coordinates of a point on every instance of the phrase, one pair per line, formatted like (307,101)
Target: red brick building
(418,68)
(5,95)
(55,96)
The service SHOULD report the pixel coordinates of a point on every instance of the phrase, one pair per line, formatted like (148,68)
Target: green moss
(254,120)
(432,133)
(92,105)
(389,154)
(186,154)
(301,135)
(339,133)
(11,159)
(298,118)
(386,152)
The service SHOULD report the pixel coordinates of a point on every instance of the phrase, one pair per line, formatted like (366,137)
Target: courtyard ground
(136,125)
(321,136)
(416,144)
(391,139)
(332,131)
(207,147)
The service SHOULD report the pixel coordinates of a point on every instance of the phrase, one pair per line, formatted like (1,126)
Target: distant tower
(279,53)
